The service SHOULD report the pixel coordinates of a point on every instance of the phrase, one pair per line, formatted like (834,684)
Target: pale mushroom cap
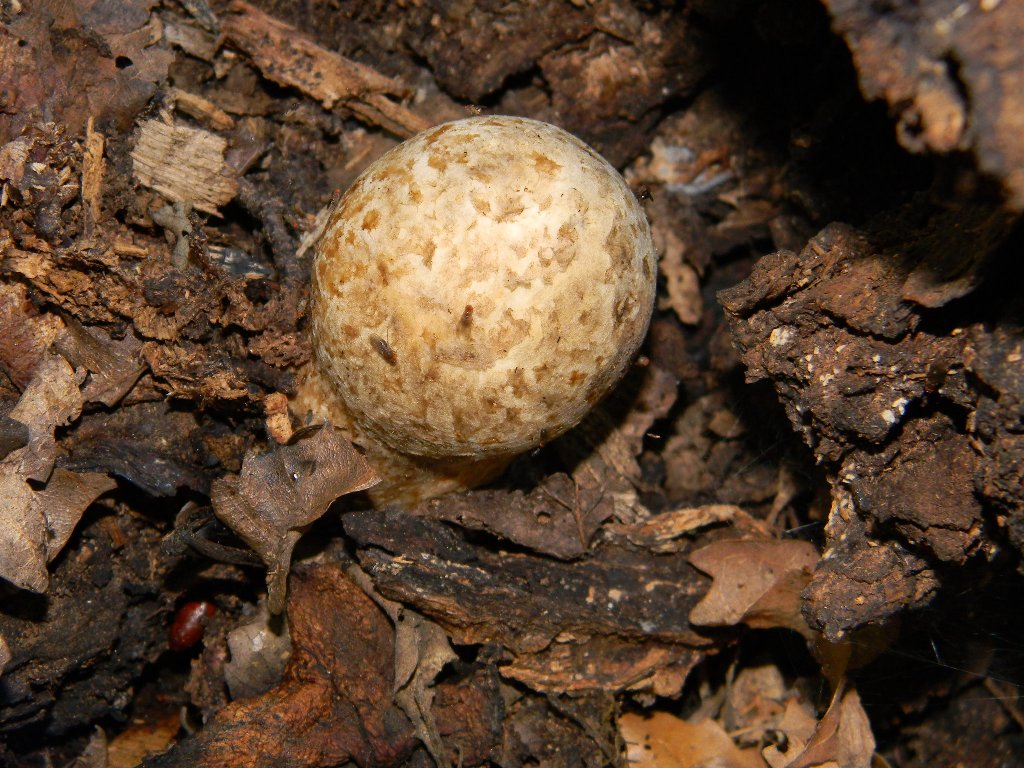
(480,287)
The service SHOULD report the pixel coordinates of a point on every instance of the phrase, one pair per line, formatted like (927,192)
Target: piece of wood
(184,165)
(203,110)
(286,56)
(93,168)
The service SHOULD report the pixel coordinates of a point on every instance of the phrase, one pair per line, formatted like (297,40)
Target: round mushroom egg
(480,287)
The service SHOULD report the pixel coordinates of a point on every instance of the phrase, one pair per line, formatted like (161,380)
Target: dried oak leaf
(35,525)
(842,739)
(114,366)
(280,493)
(757,582)
(662,740)
(52,399)
(139,740)
(25,334)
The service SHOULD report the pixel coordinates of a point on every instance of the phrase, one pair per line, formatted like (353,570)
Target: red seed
(189,624)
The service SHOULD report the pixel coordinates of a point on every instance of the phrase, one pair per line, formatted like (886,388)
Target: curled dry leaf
(35,523)
(842,739)
(25,334)
(280,493)
(51,400)
(757,582)
(114,366)
(141,739)
(662,740)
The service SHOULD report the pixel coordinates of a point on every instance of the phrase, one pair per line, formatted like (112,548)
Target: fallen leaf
(25,334)
(64,499)
(22,532)
(280,493)
(334,702)
(754,702)
(51,399)
(139,740)
(422,650)
(36,524)
(661,740)
(843,738)
(756,582)
(682,282)
(797,724)
(114,366)
(259,651)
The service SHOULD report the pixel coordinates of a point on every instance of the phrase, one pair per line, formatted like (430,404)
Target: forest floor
(791,537)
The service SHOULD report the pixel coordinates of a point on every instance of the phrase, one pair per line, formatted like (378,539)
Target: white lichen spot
(781,336)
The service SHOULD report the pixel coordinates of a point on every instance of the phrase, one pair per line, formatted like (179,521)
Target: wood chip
(93,168)
(194,41)
(184,165)
(202,109)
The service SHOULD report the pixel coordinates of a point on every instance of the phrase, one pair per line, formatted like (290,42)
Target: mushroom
(475,292)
